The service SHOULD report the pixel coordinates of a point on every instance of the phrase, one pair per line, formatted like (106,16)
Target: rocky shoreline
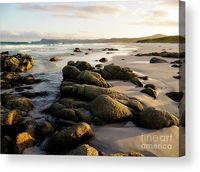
(86,99)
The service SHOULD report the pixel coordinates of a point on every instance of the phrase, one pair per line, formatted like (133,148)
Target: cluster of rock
(164,54)
(15,63)
(11,66)
(86,101)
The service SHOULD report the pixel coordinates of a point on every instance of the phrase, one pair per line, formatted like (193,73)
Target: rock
(157,60)
(103,60)
(66,113)
(72,103)
(177,77)
(137,82)
(150,92)
(98,121)
(88,92)
(55,107)
(23,141)
(77,50)
(6,144)
(134,104)
(69,138)
(165,54)
(70,72)
(110,49)
(89,49)
(86,53)
(99,66)
(30,126)
(20,89)
(53,59)
(29,80)
(13,117)
(136,154)
(34,151)
(29,94)
(45,129)
(83,65)
(116,72)
(71,63)
(151,86)
(176,65)
(143,77)
(84,149)
(155,119)
(83,115)
(16,63)
(109,110)
(20,103)
(176,96)
(176,61)
(92,78)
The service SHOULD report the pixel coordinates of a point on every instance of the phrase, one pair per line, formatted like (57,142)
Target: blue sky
(79,20)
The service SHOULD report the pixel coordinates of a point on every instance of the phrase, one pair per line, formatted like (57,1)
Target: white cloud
(75,10)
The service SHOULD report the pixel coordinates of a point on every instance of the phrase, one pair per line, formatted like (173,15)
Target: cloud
(30,36)
(75,10)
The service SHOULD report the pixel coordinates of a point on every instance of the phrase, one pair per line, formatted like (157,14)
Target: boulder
(133,104)
(109,110)
(68,138)
(150,92)
(83,115)
(23,141)
(151,86)
(70,72)
(116,72)
(176,96)
(99,66)
(83,65)
(84,150)
(72,103)
(20,103)
(103,60)
(137,82)
(45,129)
(13,117)
(155,119)
(92,78)
(53,59)
(29,94)
(16,63)
(6,144)
(71,63)
(77,50)
(157,60)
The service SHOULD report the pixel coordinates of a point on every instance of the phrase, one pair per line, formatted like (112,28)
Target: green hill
(166,39)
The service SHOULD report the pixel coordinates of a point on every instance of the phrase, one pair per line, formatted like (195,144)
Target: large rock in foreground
(69,138)
(155,119)
(109,110)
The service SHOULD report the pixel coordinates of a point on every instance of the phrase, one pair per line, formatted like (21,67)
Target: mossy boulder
(70,72)
(92,78)
(109,110)
(155,119)
(136,81)
(116,72)
(69,138)
(150,92)
(45,129)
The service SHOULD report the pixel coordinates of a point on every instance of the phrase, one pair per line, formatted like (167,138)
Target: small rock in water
(53,59)
(151,86)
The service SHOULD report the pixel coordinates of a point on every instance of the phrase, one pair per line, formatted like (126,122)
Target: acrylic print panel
(93,78)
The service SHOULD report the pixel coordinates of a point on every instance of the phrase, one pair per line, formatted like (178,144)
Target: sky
(88,20)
